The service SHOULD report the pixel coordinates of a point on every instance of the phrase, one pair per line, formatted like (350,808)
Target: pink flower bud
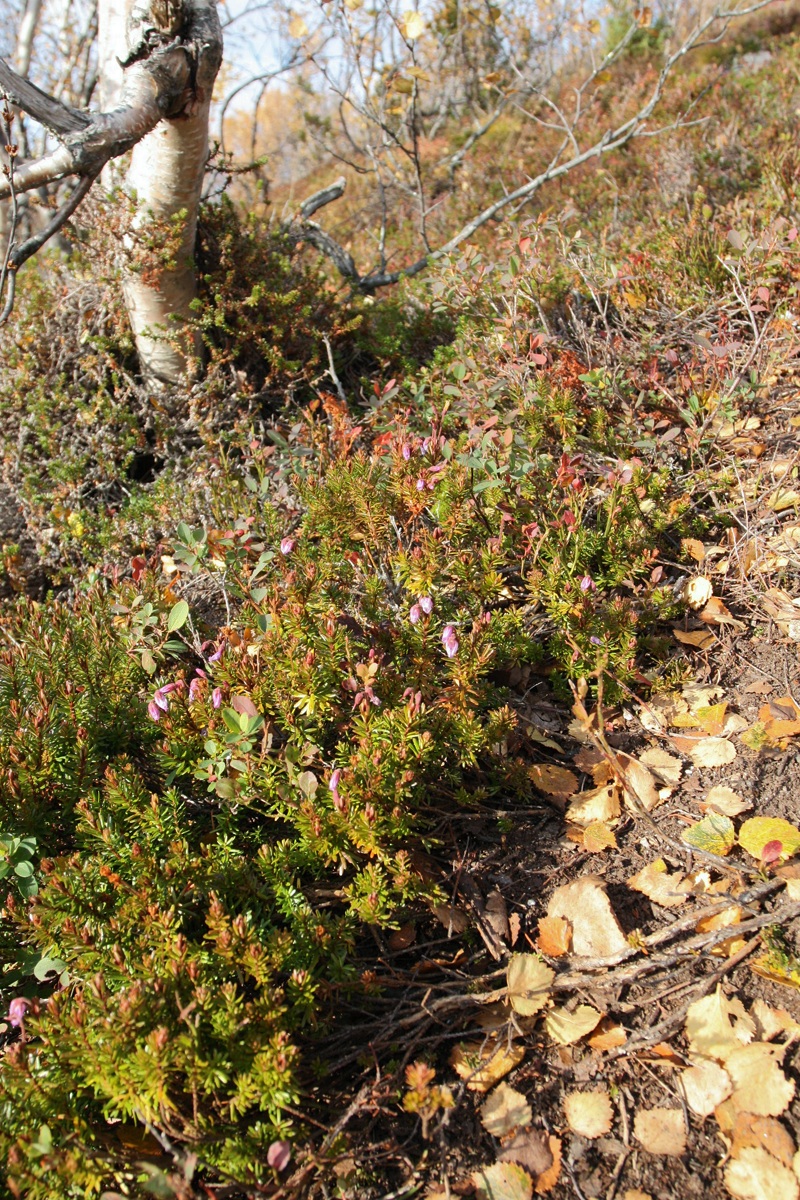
(16,1011)
(279,1155)
(287,545)
(415,614)
(450,641)
(426,604)
(406,452)
(587,584)
(154,711)
(216,697)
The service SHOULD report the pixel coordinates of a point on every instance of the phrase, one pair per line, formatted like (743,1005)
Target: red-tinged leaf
(772,852)
(524,245)
(539,359)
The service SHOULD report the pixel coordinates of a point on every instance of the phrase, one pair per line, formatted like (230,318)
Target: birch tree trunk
(159,60)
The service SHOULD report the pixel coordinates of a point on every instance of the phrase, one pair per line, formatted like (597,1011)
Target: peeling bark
(160,91)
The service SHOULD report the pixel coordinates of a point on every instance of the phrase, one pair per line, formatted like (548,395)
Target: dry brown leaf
(724,800)
(760,1086)
(598,837)
(756,1175)
(455,920)
(608,1036)
(483,1064)
(655,882)
(549,1178)
(528,981)
(591,761)
(555,936)
(749,1130)
(716,612)
(596,932)
(503,1181)
(598,804)
(495,915)
(531,1149)
(780,718)
(784,611)
(771,1022)
(716,1026)
(661,1130)
(553,780)
(640,780)
(403,937)
(589,1114)
(694,548)
(700,639)
(514,927)
(705,1086)
(565,1027)
(636,1194)
(723,920)
(665,766)
(504,1110)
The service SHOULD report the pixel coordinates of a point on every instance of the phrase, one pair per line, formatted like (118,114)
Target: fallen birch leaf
(724,800)
(716,1026)
(760,832)
(705,1086)
(598,804)
(780,718)
(636,1194)
(528,982)
(771,1022)
(589,1114)
(782,500)
(711,718)
(700,639)
(766,1132)
(505,1110)
(655,882)
(700,695)
(715,834)
(712,752)
(694,548)
(661,1131)
(668,768)
(608,1036)
(455,920)
(640,781)
(596,932)
(716,612)
(483,1064)
(534,1150)
(727,919)
(549,1178)
(756,1175)
(553,780)
(598,837)
(566,1028)
(555,936)
(760,1086)
(503,1181)
(784,611)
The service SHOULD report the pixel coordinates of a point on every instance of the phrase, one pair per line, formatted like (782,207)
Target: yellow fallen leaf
(528,980)
(661,1130)
(589,1114)
(772,1022)
(715,834)
(668,768)
(700,639)
(729,917)
(553,780)
(760,1086)
(565,1028)
(716,1026)
(769,839)
(711,718)
(655,882)
(598,837)
(483,1064)
(596,932)
(504,1110)
(782,500)
(555,936)
(598,804)
(297,27)
(694,548)
(640,781)
(608,1036)
(755,1175)
(705,1086)
(712,752)
(503,1181)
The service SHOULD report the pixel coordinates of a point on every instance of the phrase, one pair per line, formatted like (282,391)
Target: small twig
(332,367)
